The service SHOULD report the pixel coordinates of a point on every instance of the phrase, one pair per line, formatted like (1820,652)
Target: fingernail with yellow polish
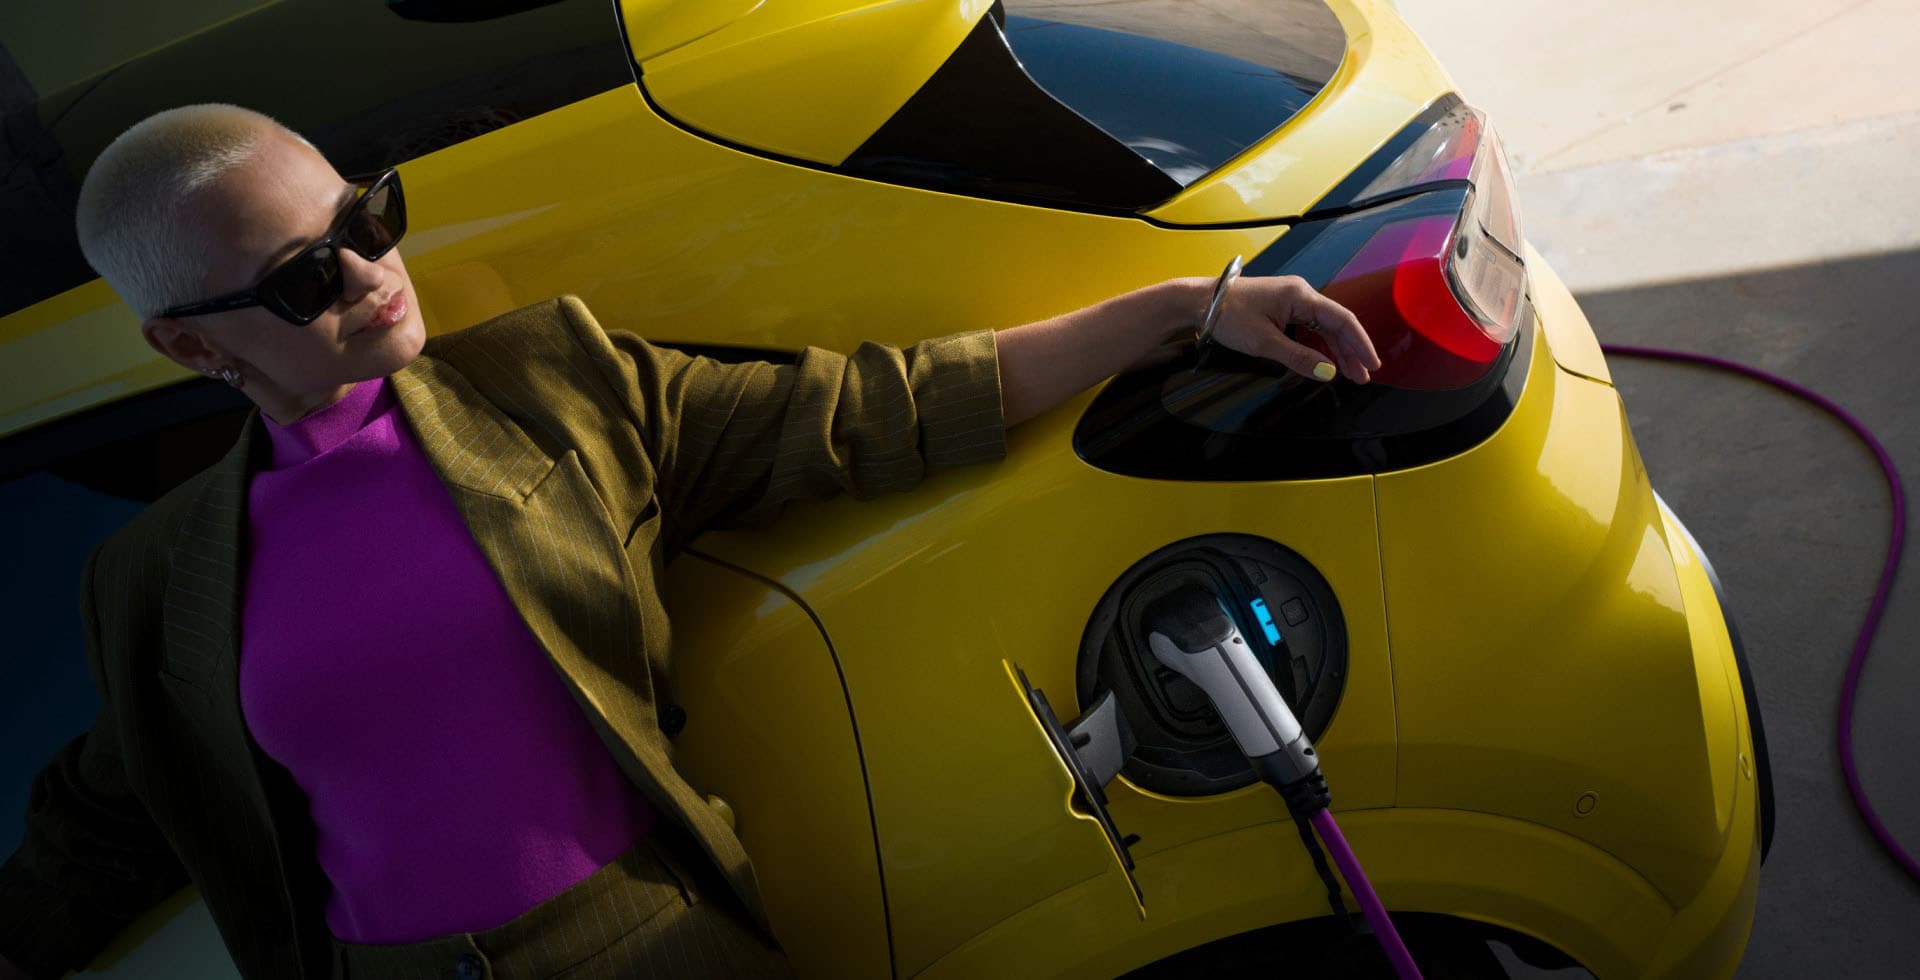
(1323,371)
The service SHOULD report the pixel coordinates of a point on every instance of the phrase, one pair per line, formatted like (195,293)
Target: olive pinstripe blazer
(580,461)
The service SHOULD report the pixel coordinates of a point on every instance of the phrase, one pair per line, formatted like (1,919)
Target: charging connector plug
(1190,632)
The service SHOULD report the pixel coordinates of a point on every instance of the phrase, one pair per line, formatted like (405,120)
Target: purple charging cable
(1851,685)
(1362,889)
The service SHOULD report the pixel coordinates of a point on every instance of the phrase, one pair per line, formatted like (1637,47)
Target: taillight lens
(1427,254)
(1422,242)
(1443,150)
(1487,272)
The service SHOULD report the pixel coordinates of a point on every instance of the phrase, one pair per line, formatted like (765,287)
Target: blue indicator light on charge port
(1266,621)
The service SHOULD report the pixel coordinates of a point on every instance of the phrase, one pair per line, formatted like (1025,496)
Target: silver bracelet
(1204,337)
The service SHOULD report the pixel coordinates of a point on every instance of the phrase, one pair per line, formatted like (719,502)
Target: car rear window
(1301,39)
(414,82)
(1105,107)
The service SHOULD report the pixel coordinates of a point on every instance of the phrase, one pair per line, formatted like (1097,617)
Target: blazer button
(673,718)
(468,968)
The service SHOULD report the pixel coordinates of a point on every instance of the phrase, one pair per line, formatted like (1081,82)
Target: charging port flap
(1093,748)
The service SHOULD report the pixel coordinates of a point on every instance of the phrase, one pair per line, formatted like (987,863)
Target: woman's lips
(388,314)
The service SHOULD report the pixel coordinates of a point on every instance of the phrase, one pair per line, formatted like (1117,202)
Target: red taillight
(1436,277)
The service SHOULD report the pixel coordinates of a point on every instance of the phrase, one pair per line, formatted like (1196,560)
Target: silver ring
(1215,305)
(231,375)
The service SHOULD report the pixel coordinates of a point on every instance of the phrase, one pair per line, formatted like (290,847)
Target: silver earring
(231,375)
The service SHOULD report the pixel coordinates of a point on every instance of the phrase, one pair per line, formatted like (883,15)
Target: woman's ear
(182,344)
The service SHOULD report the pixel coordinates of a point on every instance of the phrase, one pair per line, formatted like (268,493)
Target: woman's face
(258,215)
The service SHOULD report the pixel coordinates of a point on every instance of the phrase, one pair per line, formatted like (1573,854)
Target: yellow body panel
(800,77)
(1540,643)
(768,736)
(875,572)
(969,799)
(77,350)
(1707,938)
(678,238)
(1446,861)
(655,27)
(1561,319)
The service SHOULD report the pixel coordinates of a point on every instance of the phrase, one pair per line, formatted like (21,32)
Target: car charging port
(1282,605)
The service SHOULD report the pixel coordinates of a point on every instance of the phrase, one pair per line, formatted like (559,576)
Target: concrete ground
(1734,177)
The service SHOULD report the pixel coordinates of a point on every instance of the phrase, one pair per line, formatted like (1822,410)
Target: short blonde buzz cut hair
(127,214)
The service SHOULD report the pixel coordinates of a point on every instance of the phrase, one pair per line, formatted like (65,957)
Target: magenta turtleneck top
(454,782)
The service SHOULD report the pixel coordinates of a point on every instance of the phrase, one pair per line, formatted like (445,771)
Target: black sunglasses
(306,285)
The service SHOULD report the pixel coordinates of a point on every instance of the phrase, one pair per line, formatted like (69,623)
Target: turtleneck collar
(313,435)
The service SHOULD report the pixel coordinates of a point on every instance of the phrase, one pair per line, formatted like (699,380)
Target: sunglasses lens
(377,222)
(306,285)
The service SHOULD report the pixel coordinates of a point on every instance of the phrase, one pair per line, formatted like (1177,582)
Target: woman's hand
(1258,309)
(1043,364)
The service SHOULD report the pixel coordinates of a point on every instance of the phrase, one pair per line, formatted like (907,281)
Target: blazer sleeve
(91,860)
(731,443)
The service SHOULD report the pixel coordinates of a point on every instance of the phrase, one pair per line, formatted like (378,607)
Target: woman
(381,681)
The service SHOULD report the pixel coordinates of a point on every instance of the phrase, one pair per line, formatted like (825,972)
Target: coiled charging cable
(1871,625)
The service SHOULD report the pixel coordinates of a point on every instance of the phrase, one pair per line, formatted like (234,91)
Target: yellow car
(1515,661)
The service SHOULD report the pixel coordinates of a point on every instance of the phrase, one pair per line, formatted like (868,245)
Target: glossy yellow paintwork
(768,735)
(925,595)
(74,351)
(1575,348)
(1707,937)
(1526,625)
(1540,645)
(1448,860)
(676,238)
(655,27)
(801,77)
(921,617)
(1722,705)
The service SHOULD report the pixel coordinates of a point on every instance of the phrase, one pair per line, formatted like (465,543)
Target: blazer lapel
(200,615)
(199,672)
(541,525)
(201,612)
(473,446)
